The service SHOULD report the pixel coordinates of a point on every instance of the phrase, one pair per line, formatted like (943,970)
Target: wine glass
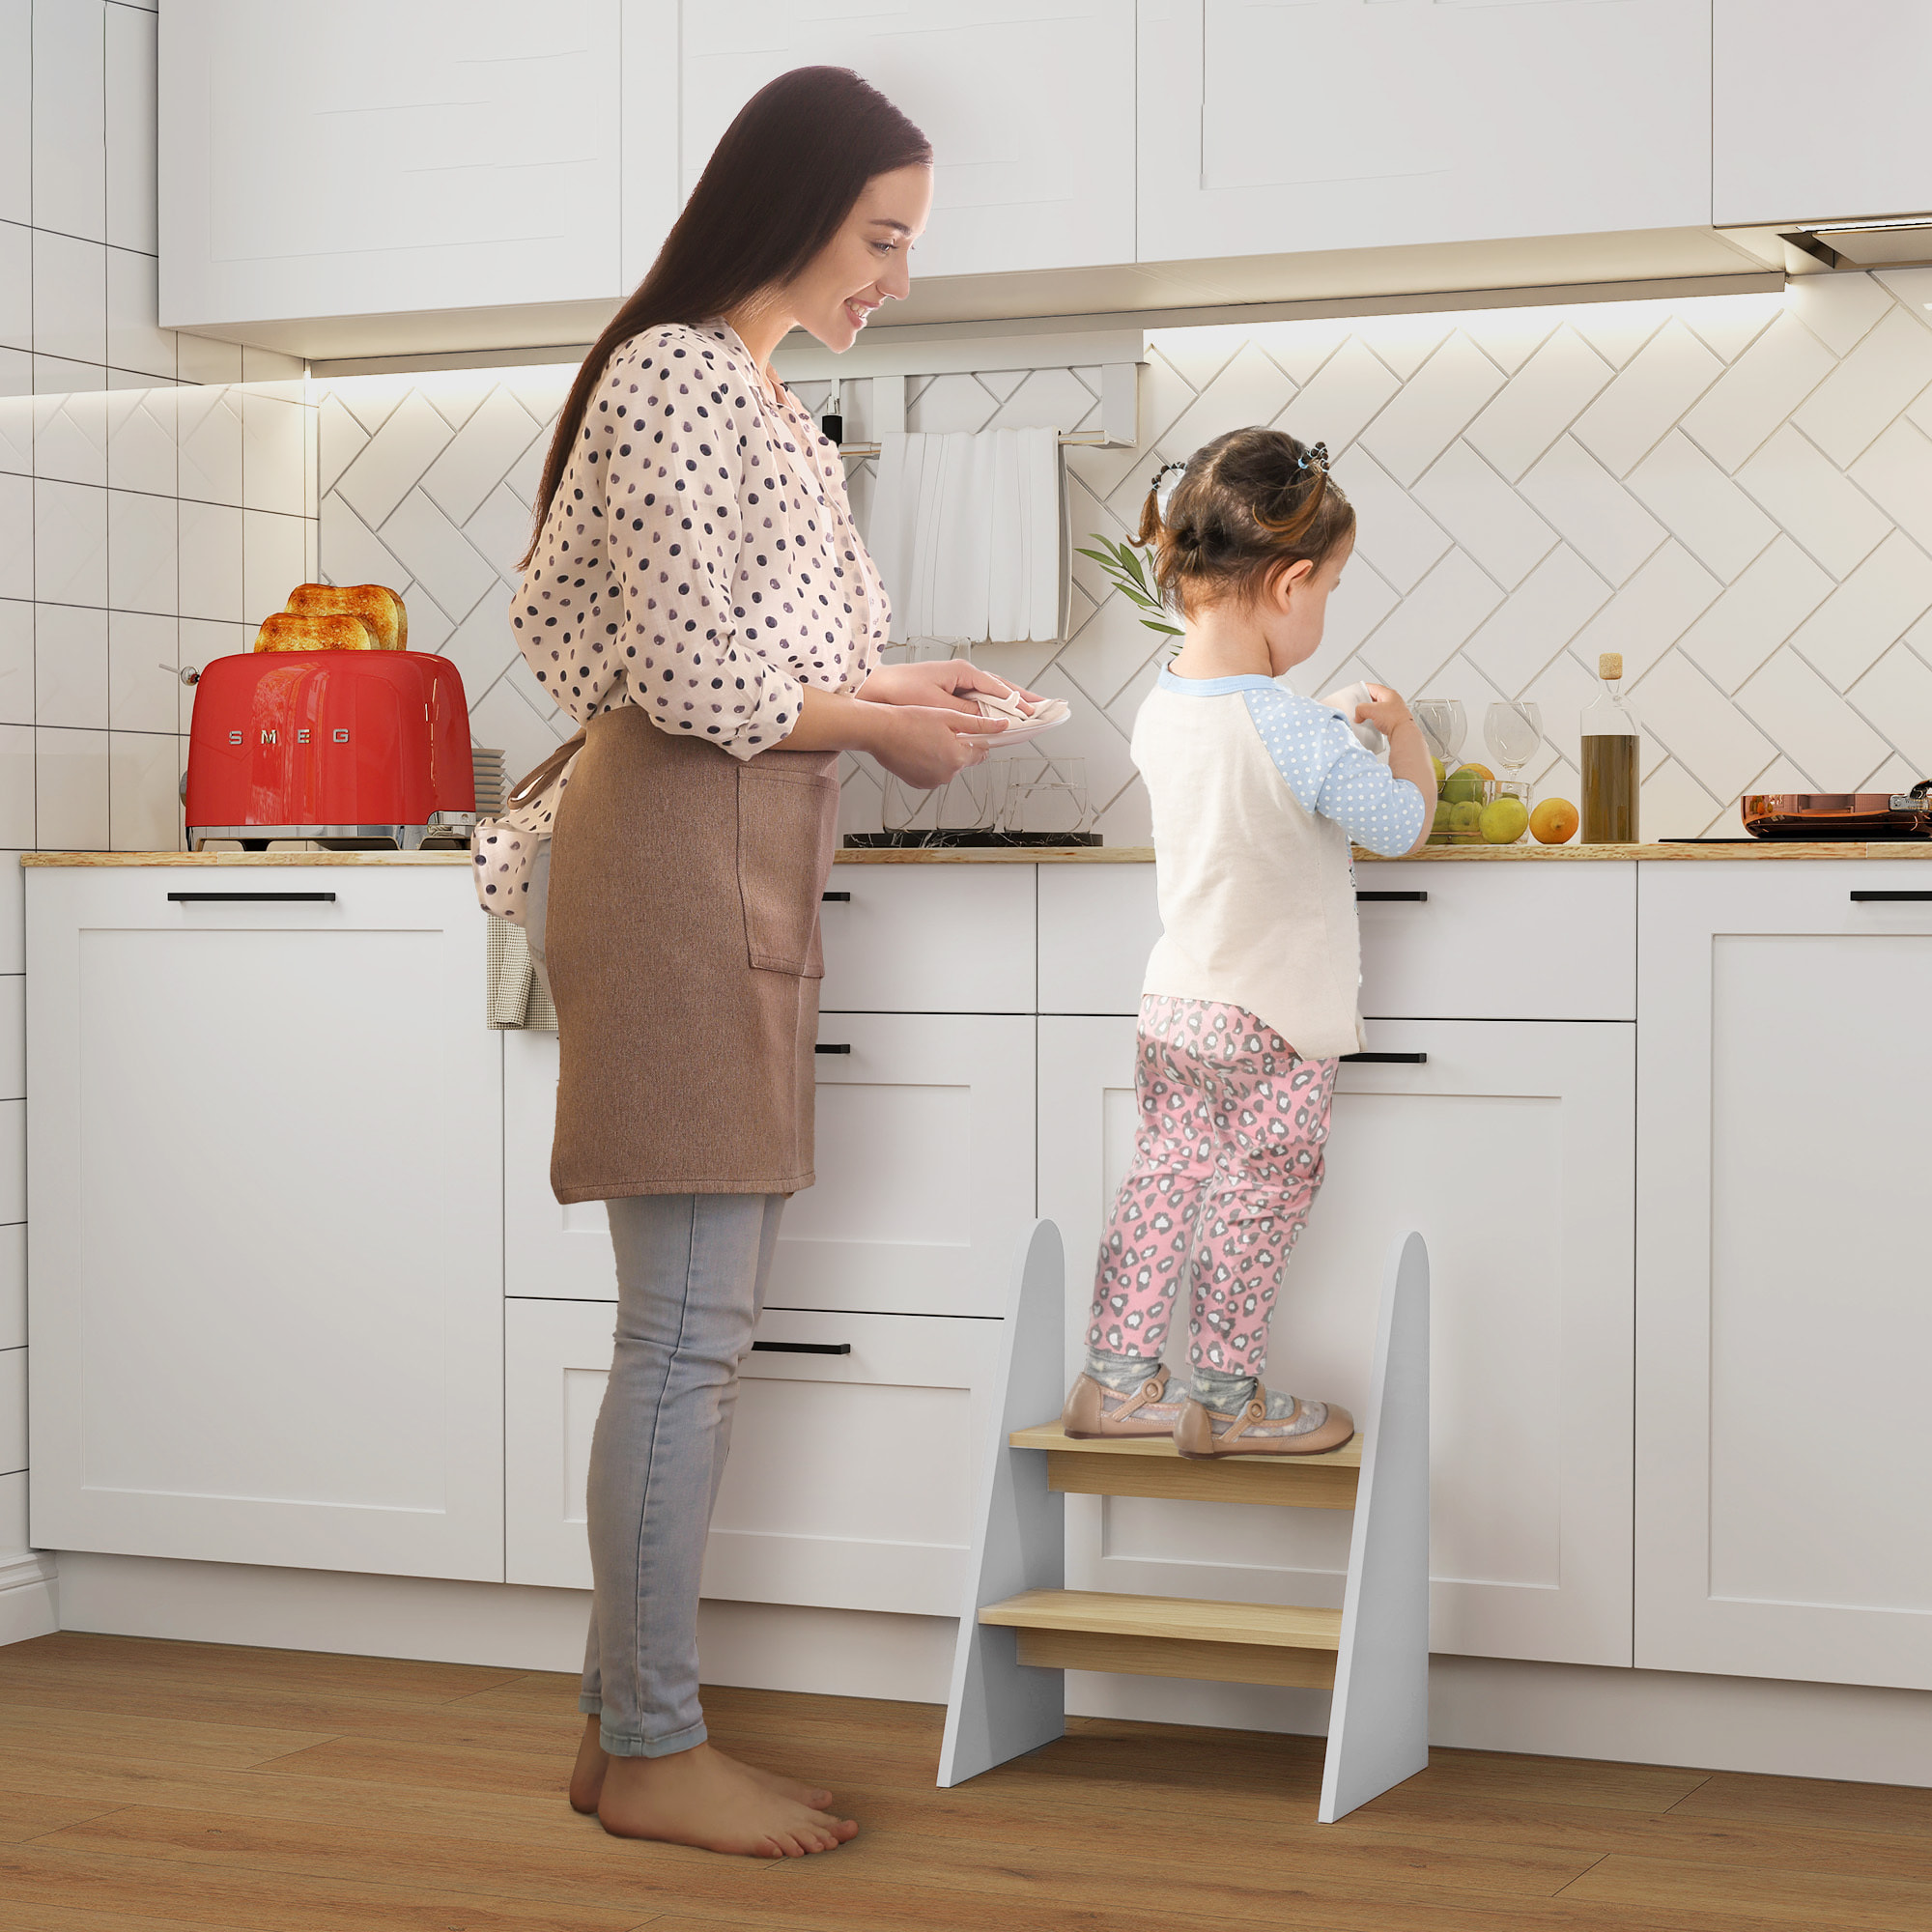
(1513,728)
(1443,725)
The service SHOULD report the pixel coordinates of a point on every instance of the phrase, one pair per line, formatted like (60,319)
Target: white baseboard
(761,1646)
(1567,1710)
(28,1605)
(1546,1710)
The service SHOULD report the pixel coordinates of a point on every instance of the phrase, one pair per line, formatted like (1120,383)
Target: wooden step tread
(1150,1465)
(1185,1619)
(1050,1435)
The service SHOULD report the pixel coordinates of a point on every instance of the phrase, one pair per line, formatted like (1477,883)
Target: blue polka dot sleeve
(1330,772)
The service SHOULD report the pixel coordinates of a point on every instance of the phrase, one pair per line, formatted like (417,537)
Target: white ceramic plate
(1019,731)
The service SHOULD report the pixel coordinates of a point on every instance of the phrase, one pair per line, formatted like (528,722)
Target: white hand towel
(968,532)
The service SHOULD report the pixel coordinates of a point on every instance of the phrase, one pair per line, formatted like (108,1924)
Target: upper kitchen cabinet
(1818,110)
(326,172)
(1030,112)
(1332,124)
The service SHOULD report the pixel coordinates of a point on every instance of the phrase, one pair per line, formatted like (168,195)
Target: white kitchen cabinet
(849,1484)
(1784,1450)
(1098,925)
(367,160)
(1335,125)
(929,939)
(924,1165)
(1509,1149)
(550,1248)
(265,1208)
(1029,110)
(1817,110)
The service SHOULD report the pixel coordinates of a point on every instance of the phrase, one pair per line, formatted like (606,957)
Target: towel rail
(1068,439)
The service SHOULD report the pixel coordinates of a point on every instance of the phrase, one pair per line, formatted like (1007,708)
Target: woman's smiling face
(865,264)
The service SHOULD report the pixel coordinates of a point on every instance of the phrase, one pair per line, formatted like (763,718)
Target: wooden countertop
(1085,855)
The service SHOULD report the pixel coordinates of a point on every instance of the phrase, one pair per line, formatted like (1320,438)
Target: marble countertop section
(1085,855)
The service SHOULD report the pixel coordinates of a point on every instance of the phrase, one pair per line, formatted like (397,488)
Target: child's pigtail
(1160,490)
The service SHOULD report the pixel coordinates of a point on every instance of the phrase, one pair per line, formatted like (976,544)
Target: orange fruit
(1481,772)
(1553,822)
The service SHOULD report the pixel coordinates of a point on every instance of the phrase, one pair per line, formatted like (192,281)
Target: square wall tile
(141,441)
(17,667)
(70,437)
(273,446)
(142,551)
(17,111)
(210,561)
(144,795)
(17,536)
(143,676)
(16,790)
(131,134)
(70,118)
(70,791)
(70,666)
(209,438)
(16,373)
(69,544)
(61,376)
(1485,515)
(204,359)
(135,340)
(274,560)
(70,298)
(17,429)
(16,286)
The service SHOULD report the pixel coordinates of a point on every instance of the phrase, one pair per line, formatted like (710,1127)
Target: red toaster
(353,748)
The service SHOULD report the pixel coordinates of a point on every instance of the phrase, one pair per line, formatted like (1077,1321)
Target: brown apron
(682,944)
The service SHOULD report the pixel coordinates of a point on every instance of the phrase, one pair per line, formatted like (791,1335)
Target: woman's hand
(940,682)
(922,746)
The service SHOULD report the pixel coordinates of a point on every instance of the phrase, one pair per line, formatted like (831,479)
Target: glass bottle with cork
(1609,736)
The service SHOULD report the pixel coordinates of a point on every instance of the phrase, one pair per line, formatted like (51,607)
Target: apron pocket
(787,824)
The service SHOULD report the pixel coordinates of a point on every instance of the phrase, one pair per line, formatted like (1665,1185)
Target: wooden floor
(159,1785)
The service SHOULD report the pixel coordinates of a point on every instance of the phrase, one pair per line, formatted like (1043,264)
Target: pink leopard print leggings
(1226,1167)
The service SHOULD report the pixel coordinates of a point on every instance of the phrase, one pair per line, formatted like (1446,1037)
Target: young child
(1251,990)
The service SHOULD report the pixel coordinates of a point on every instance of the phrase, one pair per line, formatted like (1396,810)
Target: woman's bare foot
(700,1796)
(587,1776)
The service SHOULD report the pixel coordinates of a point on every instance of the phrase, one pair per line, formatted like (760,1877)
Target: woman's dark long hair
(777,188)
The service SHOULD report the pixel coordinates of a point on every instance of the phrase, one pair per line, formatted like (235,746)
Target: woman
(698,598)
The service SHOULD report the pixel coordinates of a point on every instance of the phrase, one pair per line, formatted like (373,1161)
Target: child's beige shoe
(1306,1429)
(1094,1410)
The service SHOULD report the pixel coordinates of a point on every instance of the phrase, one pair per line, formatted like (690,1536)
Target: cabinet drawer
(1500,941)
(850,1479)
(930,938)
(1098,925)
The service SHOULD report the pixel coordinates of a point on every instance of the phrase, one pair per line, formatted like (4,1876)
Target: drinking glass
(1044,796)
(1443,725)
(906,808)
(1513,728)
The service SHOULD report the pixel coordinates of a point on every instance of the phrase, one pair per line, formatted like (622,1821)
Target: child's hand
(1387,713)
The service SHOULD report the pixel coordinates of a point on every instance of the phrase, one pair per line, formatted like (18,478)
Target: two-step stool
(1021,1629)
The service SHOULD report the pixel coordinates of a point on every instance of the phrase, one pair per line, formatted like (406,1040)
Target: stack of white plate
(492,781)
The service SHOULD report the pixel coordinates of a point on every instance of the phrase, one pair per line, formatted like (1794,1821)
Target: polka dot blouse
(700,559)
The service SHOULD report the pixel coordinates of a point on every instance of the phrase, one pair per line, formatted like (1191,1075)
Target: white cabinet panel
(1029,110)
(925,1164)
(364,158)
(1784,1447)
(1098,925)
(1509,1149)
(929,939)
(265,1209)
(1499,940)
(548,1248)
(811,1510)
(1851,75)
(1268,129)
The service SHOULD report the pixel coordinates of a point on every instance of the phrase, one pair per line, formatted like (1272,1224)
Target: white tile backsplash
(16,286)
(70,136)
(143,681)
(71,789)
(143,551)
(17,666)
(70,666)
(131,148)
(135,342)
(210,561)
(16,118)
(144,800)
(70,543)
(70,298)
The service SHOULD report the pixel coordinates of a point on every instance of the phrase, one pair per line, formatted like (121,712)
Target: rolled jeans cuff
(678,1741)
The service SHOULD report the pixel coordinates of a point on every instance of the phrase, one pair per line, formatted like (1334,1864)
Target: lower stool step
(1173,1637)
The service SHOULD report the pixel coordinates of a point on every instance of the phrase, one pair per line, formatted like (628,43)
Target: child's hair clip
(1166,480)
(1313,457)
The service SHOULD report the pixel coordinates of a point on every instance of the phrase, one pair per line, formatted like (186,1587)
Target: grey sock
(1227,1395)
(1124,1375)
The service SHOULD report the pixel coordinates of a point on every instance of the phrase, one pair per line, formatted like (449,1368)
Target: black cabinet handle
(801,1348)
(821,1047)
(1385,1058)
(1892,898)
(835,899)
(1390,899)
(201,898)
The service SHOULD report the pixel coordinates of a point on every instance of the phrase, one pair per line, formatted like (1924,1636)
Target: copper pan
(1838,815)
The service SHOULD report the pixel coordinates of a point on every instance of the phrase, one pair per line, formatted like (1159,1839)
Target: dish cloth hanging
(968,531)
(516,996)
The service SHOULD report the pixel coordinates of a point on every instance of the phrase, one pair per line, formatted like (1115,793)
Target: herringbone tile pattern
(1735,491)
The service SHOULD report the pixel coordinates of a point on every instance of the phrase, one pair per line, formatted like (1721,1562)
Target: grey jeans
(691,1282)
